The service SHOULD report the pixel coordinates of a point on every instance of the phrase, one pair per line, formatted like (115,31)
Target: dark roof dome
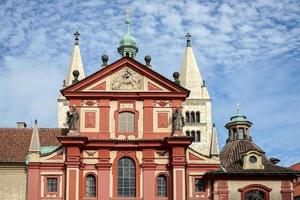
(231,157)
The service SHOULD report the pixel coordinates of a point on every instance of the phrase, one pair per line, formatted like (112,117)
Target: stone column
(72,173)
(73,153)
(178,145)
(178,169)
(286,190)
(223,189)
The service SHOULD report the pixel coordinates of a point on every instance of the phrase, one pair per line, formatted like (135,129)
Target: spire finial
(76,34)
(127,20)
(128,46)
(188,41)
(237,108)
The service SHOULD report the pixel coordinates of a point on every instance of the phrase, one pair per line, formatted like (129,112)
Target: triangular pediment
(125,75)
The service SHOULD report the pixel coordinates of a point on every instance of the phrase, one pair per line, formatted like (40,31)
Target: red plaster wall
(149,184)
(104,182)
(33,183)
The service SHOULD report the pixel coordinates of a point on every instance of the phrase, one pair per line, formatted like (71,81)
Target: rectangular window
(199,185)
(126,122)
(51,184)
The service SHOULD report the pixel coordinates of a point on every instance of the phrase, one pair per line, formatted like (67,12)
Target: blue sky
(247,51)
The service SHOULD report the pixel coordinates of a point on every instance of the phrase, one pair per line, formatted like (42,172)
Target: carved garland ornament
(162,103)
(89,103)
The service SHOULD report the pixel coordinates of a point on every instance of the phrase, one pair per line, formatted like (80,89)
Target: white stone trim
(112,129)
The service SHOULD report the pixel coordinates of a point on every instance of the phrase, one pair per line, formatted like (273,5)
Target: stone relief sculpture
(72,119)
(127,79)
(177,122)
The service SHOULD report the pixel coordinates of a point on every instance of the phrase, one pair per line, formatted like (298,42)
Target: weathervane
(188,41)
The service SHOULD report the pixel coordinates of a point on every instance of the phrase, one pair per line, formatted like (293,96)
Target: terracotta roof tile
(15,142)
(231,157)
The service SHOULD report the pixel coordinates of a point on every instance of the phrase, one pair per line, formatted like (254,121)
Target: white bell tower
(197,107)
(75,64)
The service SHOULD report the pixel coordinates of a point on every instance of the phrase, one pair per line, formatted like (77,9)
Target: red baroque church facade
(128,133)
(124,141)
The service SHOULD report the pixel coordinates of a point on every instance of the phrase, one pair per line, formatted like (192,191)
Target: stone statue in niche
(177,122)
(72,119)
(127,79)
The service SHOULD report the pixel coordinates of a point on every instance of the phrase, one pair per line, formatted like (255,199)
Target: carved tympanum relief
(127,79)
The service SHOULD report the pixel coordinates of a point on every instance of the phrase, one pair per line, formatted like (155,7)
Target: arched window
(193,135)
(126,122)
(187,133)
(126,177)
(161,186)
(192,117)
(187,117)
(90,186)
(255,194)
(255,191)
(198,117)
(198,136)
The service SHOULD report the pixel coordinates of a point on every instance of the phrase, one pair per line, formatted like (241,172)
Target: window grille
(161,186)
(199,185)
(126,178)
(90,185)
(255,194)
(51,184)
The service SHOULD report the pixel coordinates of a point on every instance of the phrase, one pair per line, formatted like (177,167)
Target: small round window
(253,159)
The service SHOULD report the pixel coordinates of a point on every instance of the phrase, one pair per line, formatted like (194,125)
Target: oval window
(253,159)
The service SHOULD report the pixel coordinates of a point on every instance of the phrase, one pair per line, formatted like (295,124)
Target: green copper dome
(128,44)
(238,118)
